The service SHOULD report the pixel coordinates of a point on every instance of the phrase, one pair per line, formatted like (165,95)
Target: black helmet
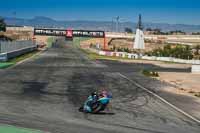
(94,93)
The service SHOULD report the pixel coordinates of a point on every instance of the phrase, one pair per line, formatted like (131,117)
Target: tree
(2,25)
(128,30)
(179,51)
(195,33)
(149,29)
(197,49)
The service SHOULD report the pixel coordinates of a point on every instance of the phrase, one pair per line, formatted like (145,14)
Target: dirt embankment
(185,83)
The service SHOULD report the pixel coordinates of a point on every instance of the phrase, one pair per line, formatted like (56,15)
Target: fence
(6,47)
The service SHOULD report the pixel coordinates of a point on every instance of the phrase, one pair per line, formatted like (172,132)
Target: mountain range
(45,22)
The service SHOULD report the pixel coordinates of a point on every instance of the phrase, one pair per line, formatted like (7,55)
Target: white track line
(162,99)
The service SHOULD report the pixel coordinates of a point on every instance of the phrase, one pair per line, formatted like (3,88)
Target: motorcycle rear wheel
(98,108)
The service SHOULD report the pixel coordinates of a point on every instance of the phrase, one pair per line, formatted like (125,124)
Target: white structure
(196,69)
(20,28)
(139,40)
(132,56)
(139,37)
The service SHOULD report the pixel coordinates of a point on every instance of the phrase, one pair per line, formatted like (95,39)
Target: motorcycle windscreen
(104,100)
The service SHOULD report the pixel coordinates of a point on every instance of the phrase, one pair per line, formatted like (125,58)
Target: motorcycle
(96,107)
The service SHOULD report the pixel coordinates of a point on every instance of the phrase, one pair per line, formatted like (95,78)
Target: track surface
(46,92)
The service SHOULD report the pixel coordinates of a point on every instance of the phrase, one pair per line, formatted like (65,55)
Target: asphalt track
(45,93)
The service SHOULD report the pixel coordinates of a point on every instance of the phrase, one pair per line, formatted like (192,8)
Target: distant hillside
(95,25)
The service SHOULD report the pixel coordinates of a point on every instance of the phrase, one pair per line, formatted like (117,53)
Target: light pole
(118,20)
(15,19)
(117,23)
(112,25)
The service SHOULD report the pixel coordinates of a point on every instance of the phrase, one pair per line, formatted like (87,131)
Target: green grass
(4,65)
(13,61)
(12,129)
(22,57)
(50,40)
(78,40)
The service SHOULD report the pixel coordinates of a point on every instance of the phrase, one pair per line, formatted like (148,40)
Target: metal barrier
(10,50)
(9,46)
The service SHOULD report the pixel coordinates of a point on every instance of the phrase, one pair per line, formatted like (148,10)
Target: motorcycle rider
(93,98)
(90,101)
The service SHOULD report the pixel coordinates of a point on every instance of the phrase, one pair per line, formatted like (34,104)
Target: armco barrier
(7,46)
(15,53)
(20,52)
(3,57)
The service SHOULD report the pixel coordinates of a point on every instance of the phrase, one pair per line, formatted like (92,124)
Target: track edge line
(162,99)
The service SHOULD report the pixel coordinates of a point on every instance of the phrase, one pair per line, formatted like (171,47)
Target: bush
(197,94)
(2,25)
(179,51)
(128,30)
(150,73)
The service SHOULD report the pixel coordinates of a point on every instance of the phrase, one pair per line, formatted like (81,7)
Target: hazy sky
(169,11)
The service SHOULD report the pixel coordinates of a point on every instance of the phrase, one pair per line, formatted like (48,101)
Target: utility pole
(139,26)
(117,23)
(15,19)
(118,20)
(112,28)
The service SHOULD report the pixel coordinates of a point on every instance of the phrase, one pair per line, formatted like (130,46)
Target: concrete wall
(171,59)
(135,56)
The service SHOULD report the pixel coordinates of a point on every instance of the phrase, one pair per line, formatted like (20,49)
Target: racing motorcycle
(98,106)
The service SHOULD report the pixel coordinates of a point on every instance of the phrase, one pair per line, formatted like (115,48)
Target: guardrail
(14,49)
(7,46)
(15,53)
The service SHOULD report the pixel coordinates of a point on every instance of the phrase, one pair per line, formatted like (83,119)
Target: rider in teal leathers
(89,102)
